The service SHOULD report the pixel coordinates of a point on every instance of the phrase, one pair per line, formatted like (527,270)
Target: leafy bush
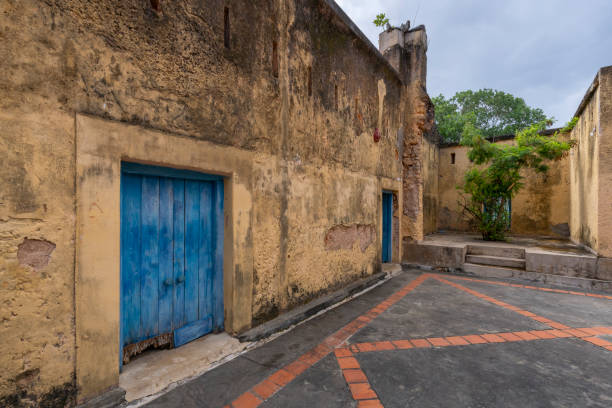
(496,177)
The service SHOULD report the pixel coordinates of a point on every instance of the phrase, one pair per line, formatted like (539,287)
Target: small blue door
(387,220)
(171,254)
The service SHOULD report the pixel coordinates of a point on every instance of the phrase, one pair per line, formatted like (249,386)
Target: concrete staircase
(494,261)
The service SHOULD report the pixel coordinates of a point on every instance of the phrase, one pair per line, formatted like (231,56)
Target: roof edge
(495,139)
(361,36)
(587,96)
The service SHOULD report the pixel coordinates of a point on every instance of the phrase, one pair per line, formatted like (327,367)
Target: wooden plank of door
(192,240)
(166,264)
(205,255)
(178,318)
(149,302)
(192,331)
(217,286)
(131,190)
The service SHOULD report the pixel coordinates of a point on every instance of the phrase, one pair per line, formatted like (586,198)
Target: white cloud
(545,51)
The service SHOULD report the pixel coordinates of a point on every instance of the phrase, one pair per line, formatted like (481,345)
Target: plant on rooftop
(496,177)
(381,20)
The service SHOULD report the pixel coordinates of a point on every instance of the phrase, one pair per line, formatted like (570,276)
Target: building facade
(176,168)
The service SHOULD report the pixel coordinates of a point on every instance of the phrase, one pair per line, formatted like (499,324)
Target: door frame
(101,146)
(139,169)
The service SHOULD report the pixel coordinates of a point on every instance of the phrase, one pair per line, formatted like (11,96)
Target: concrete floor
(427,340)
(154,371)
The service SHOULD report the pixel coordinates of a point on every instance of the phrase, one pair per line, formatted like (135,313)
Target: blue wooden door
(171,254)
(387,227)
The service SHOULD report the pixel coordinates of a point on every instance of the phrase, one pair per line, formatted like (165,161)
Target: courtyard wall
(542,207)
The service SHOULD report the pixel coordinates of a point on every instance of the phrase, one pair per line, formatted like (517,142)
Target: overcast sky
(545,51)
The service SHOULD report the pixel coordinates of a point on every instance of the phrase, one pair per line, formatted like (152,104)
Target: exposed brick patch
(35,253)
(345,236)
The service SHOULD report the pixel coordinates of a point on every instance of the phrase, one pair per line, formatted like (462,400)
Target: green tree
(494,113)
(496,177)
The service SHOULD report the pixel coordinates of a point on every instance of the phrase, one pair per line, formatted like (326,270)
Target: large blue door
(387,227)
(171,255)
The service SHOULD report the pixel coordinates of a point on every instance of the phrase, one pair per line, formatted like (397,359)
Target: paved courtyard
(428,340)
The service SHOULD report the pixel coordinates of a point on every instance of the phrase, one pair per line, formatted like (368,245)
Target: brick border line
(279,379)
(588,335)
(355,378)
(470,339)
(516,285)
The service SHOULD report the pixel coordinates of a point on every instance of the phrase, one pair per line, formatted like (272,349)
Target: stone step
(501,251)
(486,271)
(496,261)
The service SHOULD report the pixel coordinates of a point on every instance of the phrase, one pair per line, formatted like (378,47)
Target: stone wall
(406,50)
(605,162)
(284,101)
(542,207)
(584,172)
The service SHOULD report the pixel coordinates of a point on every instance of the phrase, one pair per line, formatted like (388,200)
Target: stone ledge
(544,278)
(301,313)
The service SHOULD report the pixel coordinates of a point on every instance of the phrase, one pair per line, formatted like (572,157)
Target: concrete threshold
(156,372)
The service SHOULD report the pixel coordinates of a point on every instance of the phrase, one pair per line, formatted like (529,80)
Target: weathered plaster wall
(36,277)
(584,173)
(542,207)
(419,134)
(605,162)
(431,161)
(287,113)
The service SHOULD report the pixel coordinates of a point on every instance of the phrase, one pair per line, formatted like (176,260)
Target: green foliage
(494,113)
(570,125)
(496,177)
(381,20)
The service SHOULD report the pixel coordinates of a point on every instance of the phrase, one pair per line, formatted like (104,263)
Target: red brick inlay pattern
(586,334)
(356,379)
(271,385)
(503,337)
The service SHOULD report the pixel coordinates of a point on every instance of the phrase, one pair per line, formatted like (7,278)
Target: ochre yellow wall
(88,84)
(605,162)
(542,207)
(36,287)
(431,161)
(584,171)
